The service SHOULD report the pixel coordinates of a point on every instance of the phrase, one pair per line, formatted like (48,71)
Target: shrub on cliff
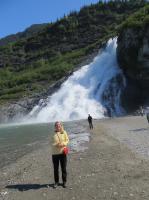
(137,20)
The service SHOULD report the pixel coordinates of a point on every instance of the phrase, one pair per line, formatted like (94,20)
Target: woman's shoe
(55,185)
(64,185)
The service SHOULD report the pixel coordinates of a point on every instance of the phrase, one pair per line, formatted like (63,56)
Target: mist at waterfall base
(95,88)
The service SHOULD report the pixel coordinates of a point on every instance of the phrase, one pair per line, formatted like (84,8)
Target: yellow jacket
(59,138)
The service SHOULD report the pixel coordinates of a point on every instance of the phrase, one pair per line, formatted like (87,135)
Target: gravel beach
(115,166)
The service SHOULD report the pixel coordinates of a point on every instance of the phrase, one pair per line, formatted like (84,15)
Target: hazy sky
(16,15)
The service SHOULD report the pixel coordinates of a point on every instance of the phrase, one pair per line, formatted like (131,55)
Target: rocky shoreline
(108,169)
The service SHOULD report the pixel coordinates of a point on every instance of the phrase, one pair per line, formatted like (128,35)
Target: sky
(17,15)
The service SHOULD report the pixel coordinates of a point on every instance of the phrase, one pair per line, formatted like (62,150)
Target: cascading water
(95,88)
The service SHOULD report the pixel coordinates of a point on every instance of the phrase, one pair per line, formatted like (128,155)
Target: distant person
(90,121)
(60,140)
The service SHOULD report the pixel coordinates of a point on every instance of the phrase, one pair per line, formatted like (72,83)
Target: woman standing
(60,140)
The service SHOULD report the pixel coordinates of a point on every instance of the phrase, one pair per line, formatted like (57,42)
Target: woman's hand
(60,145)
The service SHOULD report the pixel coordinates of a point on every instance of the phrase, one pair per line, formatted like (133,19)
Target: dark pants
(62,159)
(90,125)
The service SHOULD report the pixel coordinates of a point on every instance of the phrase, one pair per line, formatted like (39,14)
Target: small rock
(10,181)
(131,195)
(115,193)
(44,194)
(3,193)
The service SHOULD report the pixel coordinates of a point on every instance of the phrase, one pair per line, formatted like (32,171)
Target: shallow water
(18,140)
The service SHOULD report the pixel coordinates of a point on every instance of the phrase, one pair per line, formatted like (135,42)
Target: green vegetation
(138,20)
(26,81)
(32,62)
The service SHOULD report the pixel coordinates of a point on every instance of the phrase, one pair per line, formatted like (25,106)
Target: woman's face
(58,126)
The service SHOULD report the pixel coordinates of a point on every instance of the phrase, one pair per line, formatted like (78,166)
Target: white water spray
(94,89)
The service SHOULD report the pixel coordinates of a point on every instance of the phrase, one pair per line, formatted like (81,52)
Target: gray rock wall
(133,58)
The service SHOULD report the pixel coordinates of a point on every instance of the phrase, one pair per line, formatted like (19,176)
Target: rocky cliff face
(133,58)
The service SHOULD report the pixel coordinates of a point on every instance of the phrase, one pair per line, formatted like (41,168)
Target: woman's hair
(62,128)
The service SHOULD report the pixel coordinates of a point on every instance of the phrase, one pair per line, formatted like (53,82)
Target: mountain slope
(35,28)
(30,65)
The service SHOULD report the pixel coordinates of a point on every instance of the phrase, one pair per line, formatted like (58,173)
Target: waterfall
(95,88)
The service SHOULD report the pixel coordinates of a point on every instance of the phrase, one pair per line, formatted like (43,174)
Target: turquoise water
(17,140)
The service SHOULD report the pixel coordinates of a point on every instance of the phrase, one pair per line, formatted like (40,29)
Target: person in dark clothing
(90,121)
